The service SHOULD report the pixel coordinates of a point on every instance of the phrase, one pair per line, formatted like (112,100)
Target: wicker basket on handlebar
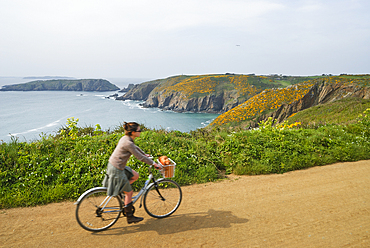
(168,170)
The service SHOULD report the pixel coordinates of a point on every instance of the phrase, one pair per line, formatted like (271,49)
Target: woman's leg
(128,202)
(134,177)
(129,209)
(128,197)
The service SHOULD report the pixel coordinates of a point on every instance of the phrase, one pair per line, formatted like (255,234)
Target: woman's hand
(157,166)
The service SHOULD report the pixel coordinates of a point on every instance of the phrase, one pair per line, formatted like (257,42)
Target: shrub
(61,167)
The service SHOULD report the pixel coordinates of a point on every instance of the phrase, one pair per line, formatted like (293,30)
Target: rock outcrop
(129,87)
(213,103)
(320,93)
(139,92)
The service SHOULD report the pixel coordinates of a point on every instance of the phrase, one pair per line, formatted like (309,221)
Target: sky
(162,38)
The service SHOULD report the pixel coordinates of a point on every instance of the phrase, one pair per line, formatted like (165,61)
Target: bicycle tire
(164,203)
(90,215)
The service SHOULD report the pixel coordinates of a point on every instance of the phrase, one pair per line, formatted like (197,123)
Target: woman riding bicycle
(119,177)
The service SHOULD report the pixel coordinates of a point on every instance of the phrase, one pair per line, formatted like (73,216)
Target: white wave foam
(102,96)
(52,124)
(133,104)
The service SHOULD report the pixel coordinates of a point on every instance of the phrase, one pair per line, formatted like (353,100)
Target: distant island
(49,77)
(63,85)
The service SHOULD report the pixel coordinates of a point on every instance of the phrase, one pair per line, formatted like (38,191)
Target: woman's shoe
(130,215)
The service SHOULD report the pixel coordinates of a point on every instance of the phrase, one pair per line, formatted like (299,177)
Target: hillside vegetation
(201,85)
(213,93)
(271,99)
(61,167)
(342,112)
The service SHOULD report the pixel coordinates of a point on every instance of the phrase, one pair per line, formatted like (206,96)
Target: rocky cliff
(129,87)
(205,93)
(320,93)
(176,101)
(139,92)
(212,103)
(63,85)
(221,93)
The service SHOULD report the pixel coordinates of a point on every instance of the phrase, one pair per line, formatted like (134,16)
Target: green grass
(61,167)
(344,111)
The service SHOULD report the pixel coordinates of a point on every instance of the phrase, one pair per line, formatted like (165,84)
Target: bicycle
(96,211)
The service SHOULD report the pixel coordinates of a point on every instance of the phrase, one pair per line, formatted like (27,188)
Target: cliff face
(221,93)
(213,103)
(139,92)
(177,101)
(63,85)
(320,93)
(216,93)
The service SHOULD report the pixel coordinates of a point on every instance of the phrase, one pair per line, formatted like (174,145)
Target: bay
(28,115)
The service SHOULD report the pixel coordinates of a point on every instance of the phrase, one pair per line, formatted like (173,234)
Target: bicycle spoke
(96,212)
(163,200)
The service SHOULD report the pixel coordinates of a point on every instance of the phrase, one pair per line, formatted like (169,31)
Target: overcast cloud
(161,38)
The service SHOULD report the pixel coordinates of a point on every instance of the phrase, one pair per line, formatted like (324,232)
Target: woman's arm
(139,154)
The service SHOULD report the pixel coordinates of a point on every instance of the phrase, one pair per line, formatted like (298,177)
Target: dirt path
(325,206)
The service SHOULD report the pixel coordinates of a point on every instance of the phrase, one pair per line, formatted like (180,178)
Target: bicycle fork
(159,193)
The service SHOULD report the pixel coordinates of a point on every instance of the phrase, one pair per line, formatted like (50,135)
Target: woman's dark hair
(130,127)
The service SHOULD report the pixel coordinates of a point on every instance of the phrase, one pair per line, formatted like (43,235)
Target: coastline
(34,113)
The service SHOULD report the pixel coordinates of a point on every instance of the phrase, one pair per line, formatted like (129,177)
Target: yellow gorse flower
(271,99)
(207,84)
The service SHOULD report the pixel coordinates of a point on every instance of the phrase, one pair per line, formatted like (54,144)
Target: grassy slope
(271,99)
(200,85)
(340,112)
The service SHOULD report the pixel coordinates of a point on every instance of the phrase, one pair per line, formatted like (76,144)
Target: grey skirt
(117,180)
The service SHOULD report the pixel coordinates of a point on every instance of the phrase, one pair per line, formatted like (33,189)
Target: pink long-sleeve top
(124,149)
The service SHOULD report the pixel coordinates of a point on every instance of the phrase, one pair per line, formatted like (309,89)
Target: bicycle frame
(143,189)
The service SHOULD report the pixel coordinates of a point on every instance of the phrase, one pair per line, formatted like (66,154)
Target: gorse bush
(272,99)
(245,86)
(61,167)
(269,99)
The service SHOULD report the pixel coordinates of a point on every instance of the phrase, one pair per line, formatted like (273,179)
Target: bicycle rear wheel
(96,211)
(162,198)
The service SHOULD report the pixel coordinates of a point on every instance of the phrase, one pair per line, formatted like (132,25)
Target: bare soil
(326,206)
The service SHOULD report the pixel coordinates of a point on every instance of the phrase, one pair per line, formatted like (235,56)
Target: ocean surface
(30,114)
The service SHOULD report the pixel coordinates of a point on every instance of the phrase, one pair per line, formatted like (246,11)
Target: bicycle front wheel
(96,211)
(162,198)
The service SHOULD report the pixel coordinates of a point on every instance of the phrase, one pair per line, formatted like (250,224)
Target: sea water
(29,115)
